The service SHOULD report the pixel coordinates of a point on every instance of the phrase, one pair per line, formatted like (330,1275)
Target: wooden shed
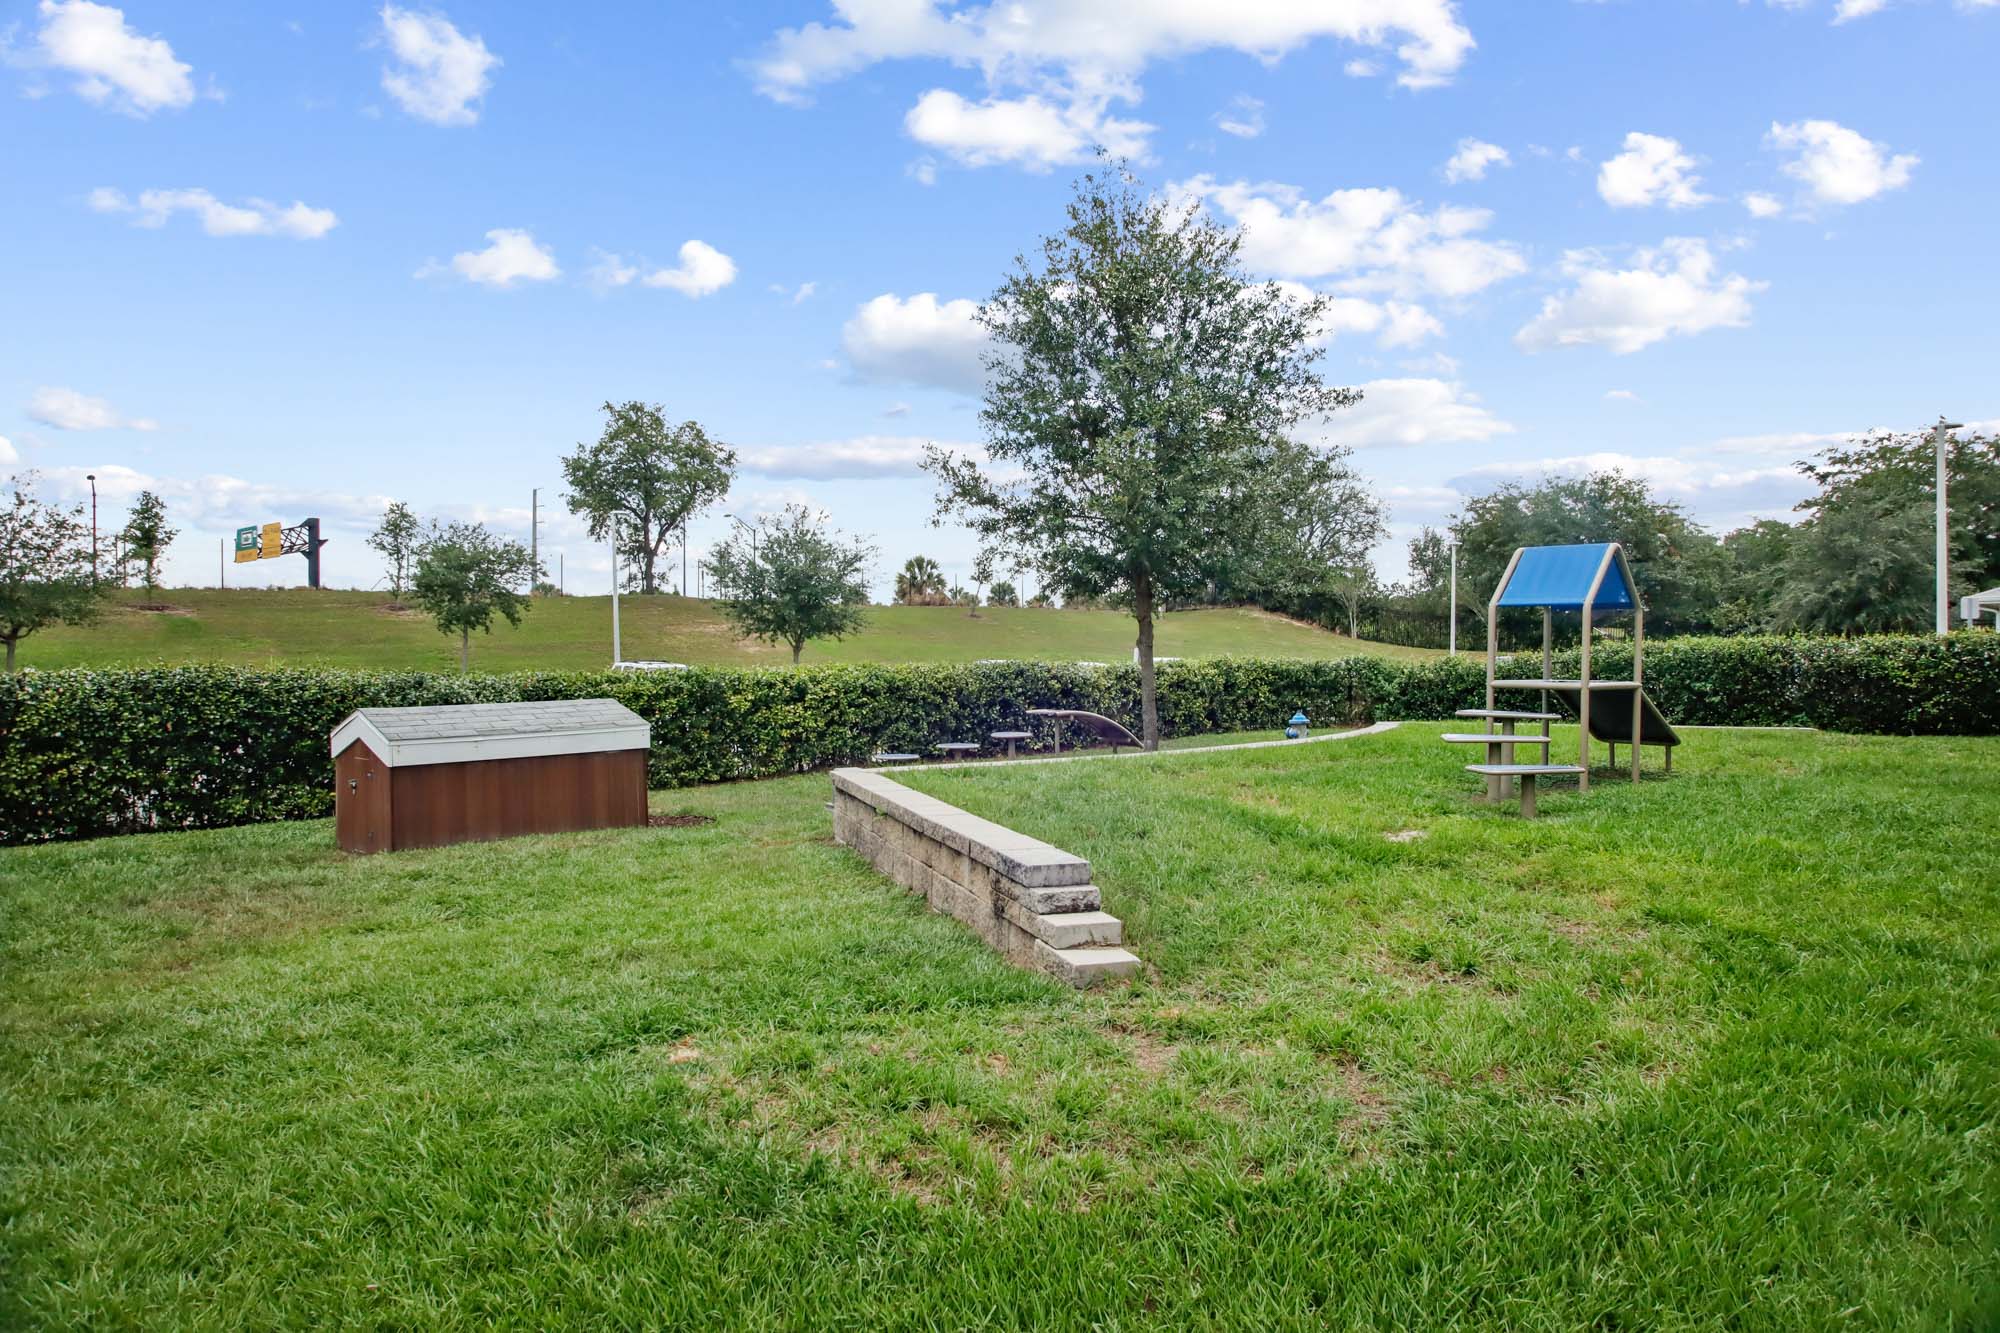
(424,777)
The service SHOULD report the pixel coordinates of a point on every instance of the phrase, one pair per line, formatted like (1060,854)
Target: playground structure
(1588,579)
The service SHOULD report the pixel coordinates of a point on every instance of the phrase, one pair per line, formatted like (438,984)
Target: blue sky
(275,260)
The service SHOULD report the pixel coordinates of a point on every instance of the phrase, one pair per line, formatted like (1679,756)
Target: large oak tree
(1141,392)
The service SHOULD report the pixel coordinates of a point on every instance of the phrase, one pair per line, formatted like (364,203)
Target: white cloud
(8,453)
(1836,165)
(1360,68)
(1854,9)
(1763,205)
(703,270)
(1651,170)
(514,256)
(1473,159)
(252,217)
(1027,131)
(923,171)
(921,340)
(1098,46)
(608,270)
(66,409)
(114,65)
(863,456)
(1243,117)
(1410,412)
(1376,240)
(1397,323)
(799,294)
(1621,396)
(1669,291)
(439,72)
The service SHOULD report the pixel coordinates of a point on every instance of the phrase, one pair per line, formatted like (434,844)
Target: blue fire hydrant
(1297,727)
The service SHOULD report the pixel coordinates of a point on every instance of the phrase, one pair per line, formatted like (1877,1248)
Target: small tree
(921,582)
(644,480)
(1351,587)
(45,566)
(1138,396)
(399,538)
(465,576)
(1003,594)
(791,580)
(982,574)
(146,536)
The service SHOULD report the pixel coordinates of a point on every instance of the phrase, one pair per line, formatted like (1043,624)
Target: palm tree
(921,583)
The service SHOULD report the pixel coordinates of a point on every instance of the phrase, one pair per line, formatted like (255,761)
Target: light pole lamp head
(1943,425)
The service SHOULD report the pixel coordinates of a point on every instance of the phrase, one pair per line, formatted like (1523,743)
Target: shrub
(84,753)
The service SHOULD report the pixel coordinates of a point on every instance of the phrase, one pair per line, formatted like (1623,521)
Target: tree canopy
(790,579)
(1674,560)
(1140,397)
(399,539)
(921,583)
(644,479)
(465,576)
(146,536)
(45,565)
(1862,561)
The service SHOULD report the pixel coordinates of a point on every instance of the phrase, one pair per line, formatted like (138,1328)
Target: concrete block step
(1085,966)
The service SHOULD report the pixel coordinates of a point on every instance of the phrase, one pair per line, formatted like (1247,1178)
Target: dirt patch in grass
(679,821)
(159,609)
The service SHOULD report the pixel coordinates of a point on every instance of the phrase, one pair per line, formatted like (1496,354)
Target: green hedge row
(84,753)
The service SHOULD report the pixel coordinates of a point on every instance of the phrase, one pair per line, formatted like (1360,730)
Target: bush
(84,753)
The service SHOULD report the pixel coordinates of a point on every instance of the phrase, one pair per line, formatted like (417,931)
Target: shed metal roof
(458,733)
(1559,577)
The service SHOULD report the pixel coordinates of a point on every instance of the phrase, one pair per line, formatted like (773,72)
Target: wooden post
(1583,686)
(1548,662)
(1638,669)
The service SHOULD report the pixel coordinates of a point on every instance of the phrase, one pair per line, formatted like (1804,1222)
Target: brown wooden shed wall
(433,805)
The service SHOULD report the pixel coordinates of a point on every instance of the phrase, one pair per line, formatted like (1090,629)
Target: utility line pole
(534,538)
(1940,433)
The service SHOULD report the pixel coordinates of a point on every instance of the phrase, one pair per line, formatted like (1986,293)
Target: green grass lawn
(1715,1051)
(257,627)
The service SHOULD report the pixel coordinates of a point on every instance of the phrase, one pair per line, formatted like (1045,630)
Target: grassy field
(255,627)
(1714,1051)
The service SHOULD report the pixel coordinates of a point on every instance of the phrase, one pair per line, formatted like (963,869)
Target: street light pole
(1454,599)
(1939,435)
(91,477)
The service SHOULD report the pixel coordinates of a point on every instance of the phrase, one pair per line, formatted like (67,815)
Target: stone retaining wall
(1032,902)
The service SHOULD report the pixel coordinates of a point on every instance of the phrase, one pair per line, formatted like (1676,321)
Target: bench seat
(1491,738)
(1508,715)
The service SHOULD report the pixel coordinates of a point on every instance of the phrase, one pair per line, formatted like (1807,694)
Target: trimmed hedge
(84,753)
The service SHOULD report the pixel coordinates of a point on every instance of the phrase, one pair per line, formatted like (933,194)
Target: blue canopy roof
(1560,576)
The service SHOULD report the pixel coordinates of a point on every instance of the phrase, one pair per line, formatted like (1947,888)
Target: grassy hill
(260,627)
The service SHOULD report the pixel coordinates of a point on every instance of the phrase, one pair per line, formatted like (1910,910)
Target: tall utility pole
(1454,597)
(91,477)
(684,559)
(535,537)
(1940,434)
(617,655)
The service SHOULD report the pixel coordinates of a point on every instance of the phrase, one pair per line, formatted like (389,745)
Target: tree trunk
(464,652)
(1149,702)
(10,655)
(797,647)
(1353,623)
